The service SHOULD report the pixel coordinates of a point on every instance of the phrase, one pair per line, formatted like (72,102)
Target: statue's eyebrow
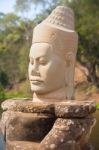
(37,57)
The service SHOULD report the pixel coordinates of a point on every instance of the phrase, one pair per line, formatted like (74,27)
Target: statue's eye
(42,61)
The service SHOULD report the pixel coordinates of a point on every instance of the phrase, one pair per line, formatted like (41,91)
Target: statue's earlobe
(69,75)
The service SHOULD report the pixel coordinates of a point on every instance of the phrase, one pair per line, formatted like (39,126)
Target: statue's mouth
(36,81)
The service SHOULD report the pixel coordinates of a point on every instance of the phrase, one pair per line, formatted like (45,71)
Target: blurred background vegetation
(16,35)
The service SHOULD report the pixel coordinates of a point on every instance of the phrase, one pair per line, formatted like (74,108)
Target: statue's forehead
(40,49)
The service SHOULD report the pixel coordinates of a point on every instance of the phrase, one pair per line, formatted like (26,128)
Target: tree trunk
(92,73)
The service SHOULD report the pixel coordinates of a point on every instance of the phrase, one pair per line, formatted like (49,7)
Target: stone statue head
(53,52)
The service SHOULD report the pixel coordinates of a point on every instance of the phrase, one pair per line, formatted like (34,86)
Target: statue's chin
(39,89)
(46,90)
(43,89)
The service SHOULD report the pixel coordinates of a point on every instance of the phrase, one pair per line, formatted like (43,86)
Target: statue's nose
(35,70)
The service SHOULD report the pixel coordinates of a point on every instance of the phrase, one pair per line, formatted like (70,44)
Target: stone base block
(28,125)
(69,134)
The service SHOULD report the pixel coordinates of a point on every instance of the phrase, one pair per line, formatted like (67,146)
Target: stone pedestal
(28,125)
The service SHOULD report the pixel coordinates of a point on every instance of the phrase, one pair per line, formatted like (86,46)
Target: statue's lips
(36,81)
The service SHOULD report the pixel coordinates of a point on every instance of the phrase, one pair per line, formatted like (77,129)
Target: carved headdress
(58,30)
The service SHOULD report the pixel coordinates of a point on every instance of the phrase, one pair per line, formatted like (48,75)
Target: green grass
(14,94)
(22,91)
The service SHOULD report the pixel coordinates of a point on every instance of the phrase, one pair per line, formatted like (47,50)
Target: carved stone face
(46,69)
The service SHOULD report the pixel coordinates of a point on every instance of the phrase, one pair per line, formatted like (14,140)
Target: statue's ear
(69,75)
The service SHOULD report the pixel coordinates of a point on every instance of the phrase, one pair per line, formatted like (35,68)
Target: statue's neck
(56,96)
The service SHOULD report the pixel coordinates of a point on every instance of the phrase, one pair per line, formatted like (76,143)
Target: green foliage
(97,106)
(2,94)
(15,41)
(3,79)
